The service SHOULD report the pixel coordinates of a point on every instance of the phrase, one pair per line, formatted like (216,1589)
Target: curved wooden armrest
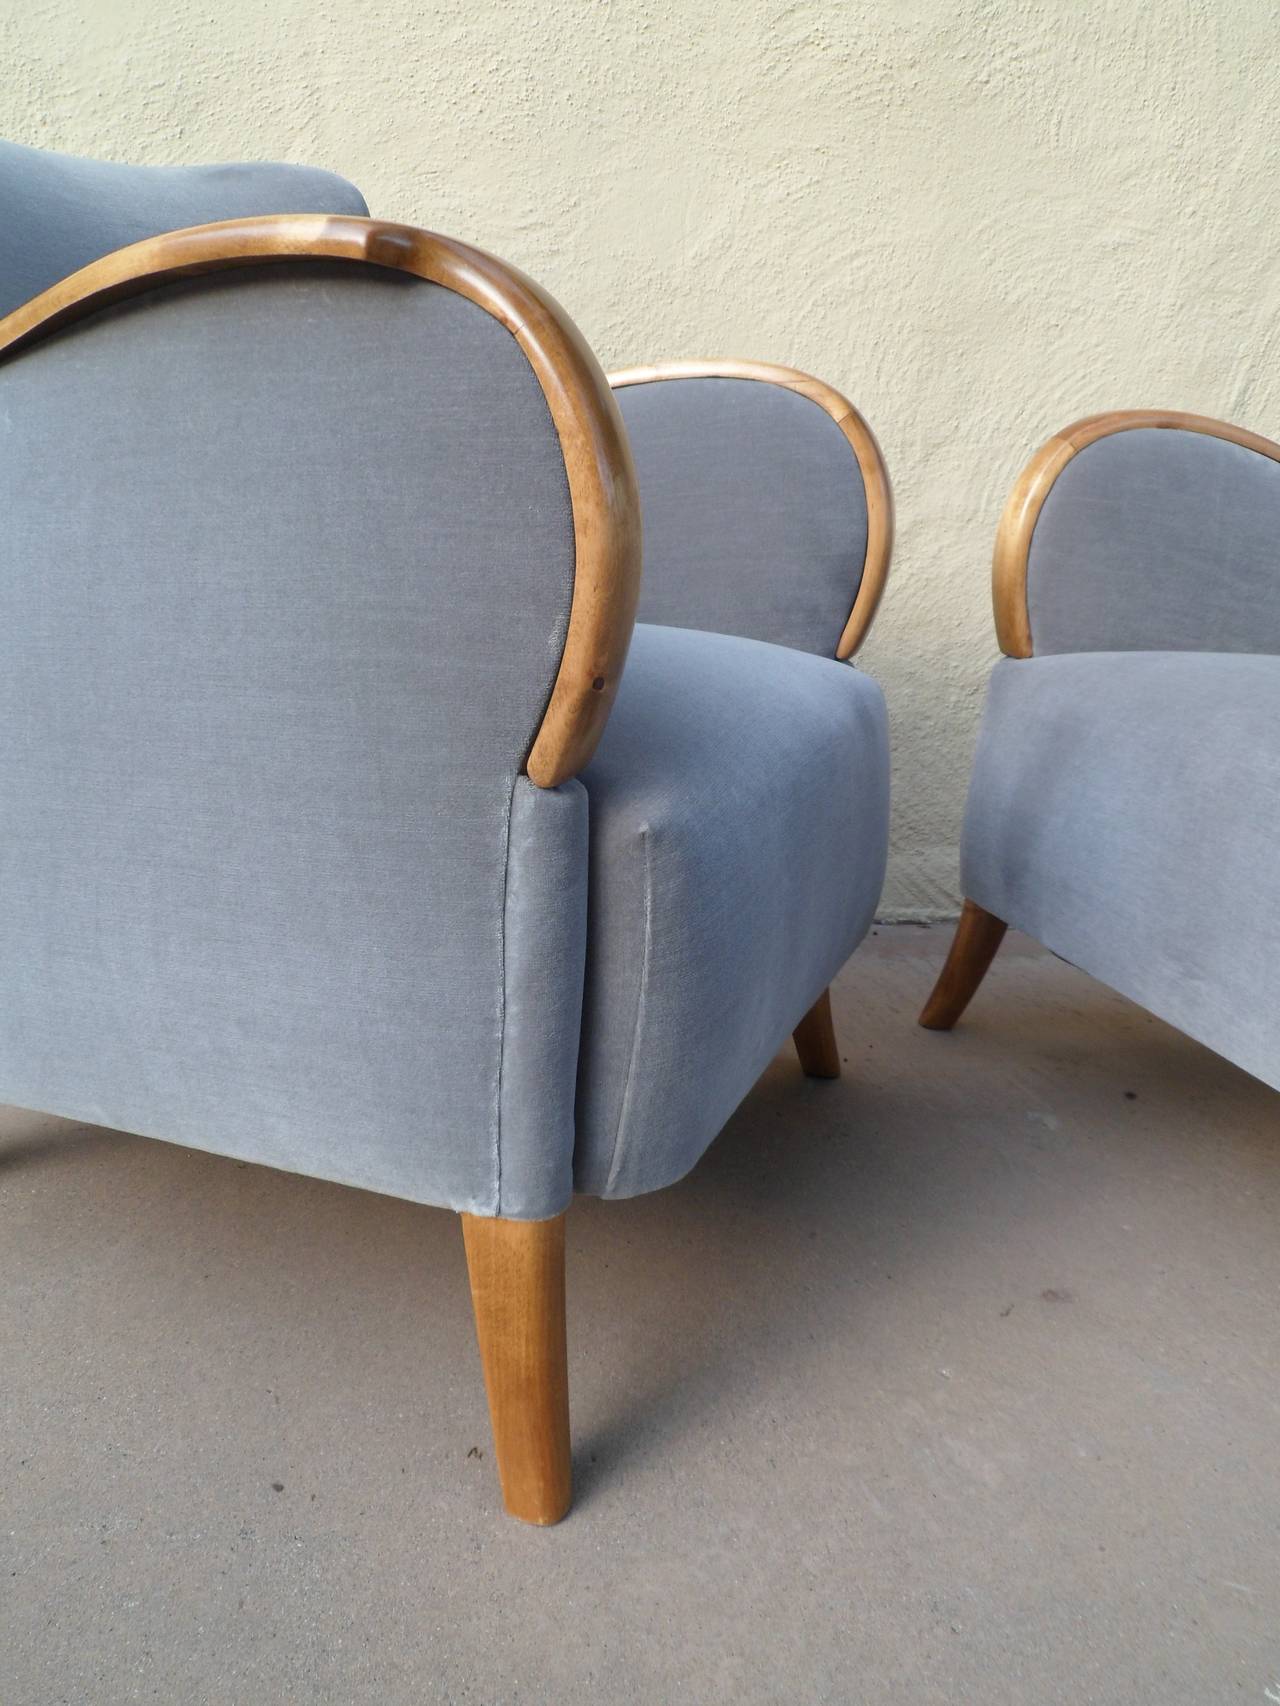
(602,488)
(862,441)
(1033,485)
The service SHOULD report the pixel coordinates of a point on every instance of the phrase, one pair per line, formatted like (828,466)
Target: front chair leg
(517,1291)
(973,947)
(815,1040)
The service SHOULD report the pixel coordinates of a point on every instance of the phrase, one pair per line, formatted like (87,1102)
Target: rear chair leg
(815,1040)
(973,947)
(517,1290)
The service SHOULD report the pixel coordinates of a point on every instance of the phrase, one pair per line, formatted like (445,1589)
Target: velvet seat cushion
(738,809)
(1125,811)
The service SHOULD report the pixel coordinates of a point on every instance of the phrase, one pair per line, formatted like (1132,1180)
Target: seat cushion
(1125,811)
(739,826)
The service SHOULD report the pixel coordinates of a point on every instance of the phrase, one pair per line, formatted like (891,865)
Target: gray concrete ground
(954,1381)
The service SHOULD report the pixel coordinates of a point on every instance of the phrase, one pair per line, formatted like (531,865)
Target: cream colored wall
(981,219)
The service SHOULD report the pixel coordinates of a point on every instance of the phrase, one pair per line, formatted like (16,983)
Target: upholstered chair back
(59,212)
(756,505)
(1158,539)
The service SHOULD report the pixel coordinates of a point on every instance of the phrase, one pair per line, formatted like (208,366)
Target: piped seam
(502,999)
(624,1107)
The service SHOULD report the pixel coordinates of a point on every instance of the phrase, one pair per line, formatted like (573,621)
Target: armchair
(1125,802)
(336,837)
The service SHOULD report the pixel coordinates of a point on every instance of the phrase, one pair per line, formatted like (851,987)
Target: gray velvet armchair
(1125,802)
(335,835)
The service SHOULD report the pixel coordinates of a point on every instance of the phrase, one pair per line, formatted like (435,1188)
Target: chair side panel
(1124,811)
(286,575)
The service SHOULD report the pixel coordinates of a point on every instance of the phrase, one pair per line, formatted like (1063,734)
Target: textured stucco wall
(981,219)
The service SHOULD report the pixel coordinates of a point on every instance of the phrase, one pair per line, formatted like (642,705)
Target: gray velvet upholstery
(59,212)
(1158,540)
(754,510)
(739,825)
(287,572)
(1125,810)
(287,568)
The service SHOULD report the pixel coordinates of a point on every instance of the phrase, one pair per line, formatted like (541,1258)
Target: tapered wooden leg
(973,947)
(815,1040)
(517,1290)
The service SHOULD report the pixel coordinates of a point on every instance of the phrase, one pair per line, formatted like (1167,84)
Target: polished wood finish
(862,441)
(517,1290)
(815,1040)
(602,489)
(973,947)
(1032,487)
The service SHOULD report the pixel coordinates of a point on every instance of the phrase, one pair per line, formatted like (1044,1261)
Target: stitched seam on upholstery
(642,986)
(502,1001)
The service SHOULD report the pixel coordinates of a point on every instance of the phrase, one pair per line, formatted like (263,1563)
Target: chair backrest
(59,212)
(766,503)
(1141,531)
(303,564)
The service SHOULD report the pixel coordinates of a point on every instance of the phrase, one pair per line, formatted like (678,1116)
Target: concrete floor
(958,1380)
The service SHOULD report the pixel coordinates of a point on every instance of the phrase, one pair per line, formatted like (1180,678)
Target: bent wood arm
(868,463)
(1027,499)
(605,505)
